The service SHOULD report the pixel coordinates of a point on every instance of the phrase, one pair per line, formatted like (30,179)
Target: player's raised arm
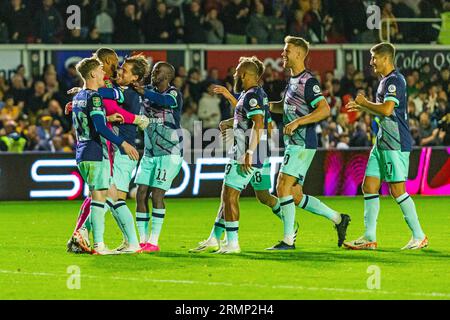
(226,94)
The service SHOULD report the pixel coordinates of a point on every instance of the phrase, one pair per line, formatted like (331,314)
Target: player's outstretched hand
(138,88)
(221,90)
(352,106)
(68,108)
(141,121)
(73,91)
(290,127)
(130,151)
(116,117)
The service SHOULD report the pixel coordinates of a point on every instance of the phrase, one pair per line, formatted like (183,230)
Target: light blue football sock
(406,203)
(276,209)
(157,222)
(371,209)
(314,205)
(232,228)
(288,212)
(127,222)
(110,206)
(98,220)
(142,222)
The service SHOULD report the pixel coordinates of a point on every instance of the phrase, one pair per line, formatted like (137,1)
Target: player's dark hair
(252,65)
(86,66)
(298,42)
(141,67)
(103,53)
(169,68)
(384,49)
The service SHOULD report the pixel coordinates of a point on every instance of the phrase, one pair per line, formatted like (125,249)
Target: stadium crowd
(32,110)
(213,21)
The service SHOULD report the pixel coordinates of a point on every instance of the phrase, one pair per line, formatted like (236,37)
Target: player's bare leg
(418,240)
(142,213)
(368,241)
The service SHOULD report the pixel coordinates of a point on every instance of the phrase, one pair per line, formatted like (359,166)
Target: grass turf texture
(34,262)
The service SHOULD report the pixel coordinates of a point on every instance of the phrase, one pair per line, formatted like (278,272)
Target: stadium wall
(333,172)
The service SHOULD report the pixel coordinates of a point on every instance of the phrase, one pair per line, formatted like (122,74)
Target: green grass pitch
(34,263)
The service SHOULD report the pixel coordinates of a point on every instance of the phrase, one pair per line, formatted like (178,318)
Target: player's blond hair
(298,42)
(86,66)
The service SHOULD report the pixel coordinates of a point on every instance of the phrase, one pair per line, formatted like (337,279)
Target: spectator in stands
(428,131)
(11,140)
(194,31)
(444,79)
(209,108)
(74,37)
(194,84)
(189,116)
(360,136)
(18,89)
(37,101)
(273,85)
(214,28)
(297,28)
(235,17)
(394,32)
(316,23)
(411,86)
(347,79)
(344,141)
(355,21)
(258,27)
(129,25)
(48,24)
(18,21)
(104,21)
(71,77)
(10,110)
(94,36)
(277,24)
(213,77)
(56,112)
(158,27)
(46,132)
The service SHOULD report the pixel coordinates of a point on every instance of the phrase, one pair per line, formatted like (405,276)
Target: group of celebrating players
(107,114)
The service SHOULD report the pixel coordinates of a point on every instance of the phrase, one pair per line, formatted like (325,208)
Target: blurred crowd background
(32,109)
(215,21)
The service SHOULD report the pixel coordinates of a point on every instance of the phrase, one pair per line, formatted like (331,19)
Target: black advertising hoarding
(55,176)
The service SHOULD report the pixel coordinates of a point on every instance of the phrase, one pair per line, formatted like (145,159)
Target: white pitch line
(229,284)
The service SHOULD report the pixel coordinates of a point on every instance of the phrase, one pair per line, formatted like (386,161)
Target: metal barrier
(412,20)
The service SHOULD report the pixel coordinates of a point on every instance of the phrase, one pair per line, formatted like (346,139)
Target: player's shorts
(123,171)
(261,178)
(388,165)
(158,172)
(97,174)
(238,180)
(296,162)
